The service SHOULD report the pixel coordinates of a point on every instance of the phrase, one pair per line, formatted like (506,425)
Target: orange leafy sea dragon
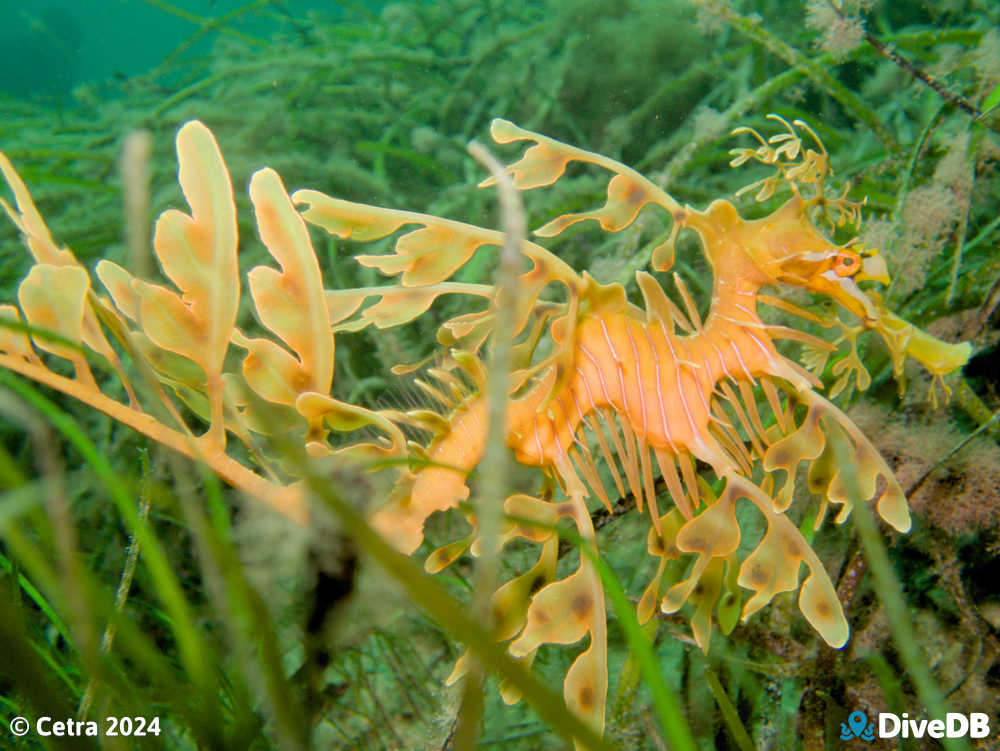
(625,394)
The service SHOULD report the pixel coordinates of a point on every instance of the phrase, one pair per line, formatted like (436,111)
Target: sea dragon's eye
(847,263)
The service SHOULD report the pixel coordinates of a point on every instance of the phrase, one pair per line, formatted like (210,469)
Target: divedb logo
(954,725)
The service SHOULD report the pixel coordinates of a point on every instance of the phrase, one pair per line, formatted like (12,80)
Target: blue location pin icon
(857,722)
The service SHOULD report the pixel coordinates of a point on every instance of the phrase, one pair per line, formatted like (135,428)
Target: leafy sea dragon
(625,392)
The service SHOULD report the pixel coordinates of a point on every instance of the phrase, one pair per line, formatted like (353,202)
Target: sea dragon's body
(650,391)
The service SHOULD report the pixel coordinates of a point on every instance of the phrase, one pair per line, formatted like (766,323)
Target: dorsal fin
(659,307)
(688,301)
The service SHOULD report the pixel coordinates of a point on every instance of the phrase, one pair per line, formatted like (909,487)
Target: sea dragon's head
(836,271)
(789,249)
(796,253)
(785,248)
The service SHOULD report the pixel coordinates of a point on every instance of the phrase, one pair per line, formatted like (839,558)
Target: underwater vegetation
(615,444)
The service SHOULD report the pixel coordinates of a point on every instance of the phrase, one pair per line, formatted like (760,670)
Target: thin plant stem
(124,582)
(494,468)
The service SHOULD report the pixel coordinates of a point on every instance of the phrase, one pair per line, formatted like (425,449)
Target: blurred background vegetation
(245,632)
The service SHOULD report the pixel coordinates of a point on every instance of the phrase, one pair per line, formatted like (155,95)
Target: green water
(50,47)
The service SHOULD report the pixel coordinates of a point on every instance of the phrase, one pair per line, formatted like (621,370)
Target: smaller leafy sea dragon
(606,395)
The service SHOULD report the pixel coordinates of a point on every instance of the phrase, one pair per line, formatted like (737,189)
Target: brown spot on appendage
(778,457)
(696,543)
(823,609)
(291,287)
(564,509)
(585,697)
(793,550)
(529,531)
(758,576)
(818,482)
(300,381)
(581,605)
(540,617)
(657,547)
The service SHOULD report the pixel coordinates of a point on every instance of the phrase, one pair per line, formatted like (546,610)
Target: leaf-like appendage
(54,298)
(399,306)
(429,255)
(625,200)
(469,330)
(44,250)
(12,341)
(870,471)
(627,193)
(768,570)
(730,602)
(805,443)
(341,304)
(423,256)
(522,510)
(291,303)
(559,614)
(704,598)
(820,606)
(660,543)
(172,325)
(771,568)
(446,555)
(510,602)
(939,357)
(172,369)
(27,219)
(542,164)
(396,305)
(344,417)
(774,567)
(119,284)
(349,220)
(271,371)
(714,533)
(563,612)
(586,685)
(198,251)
